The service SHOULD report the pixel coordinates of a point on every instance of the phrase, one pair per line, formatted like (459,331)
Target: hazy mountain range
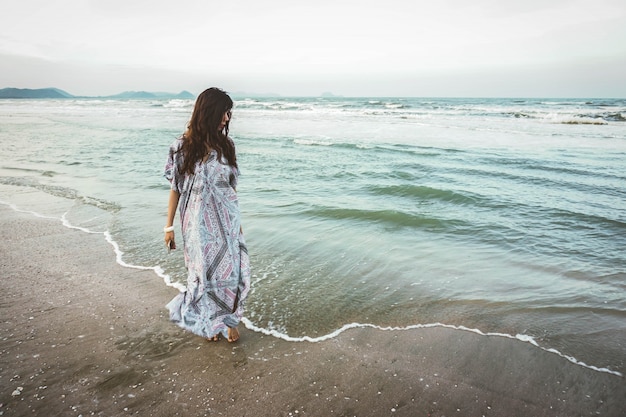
(57,93)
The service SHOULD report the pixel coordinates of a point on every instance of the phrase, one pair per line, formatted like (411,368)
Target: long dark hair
(203,132)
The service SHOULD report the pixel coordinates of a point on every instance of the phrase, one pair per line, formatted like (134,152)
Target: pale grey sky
(547,48)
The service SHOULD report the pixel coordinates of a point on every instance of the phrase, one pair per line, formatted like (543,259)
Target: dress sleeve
(233,177)
(172,166)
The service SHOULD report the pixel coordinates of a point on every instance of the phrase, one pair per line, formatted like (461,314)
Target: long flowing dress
(215,252)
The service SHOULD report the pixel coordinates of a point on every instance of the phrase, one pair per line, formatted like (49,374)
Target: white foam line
(156,269)
(67,224)
(520,337)
(116,248)
(19,210)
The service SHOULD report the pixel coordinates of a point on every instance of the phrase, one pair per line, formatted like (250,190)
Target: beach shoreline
(82,335)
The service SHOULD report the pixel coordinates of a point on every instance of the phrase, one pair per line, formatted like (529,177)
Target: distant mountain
(36,93)
(56,93)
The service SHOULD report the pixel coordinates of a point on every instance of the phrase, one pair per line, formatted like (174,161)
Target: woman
(202,170)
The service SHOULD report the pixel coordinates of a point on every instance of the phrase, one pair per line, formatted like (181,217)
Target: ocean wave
(423,192)
(415,150)
(602,118)
(600,225)
(389,217)
(389,104)
(287,104)
(581,121)
(63,192)
(606,103)
(178,103)
(45,173)
(551,166)
(615,117)
(518,115)
(529,171)
(312,142)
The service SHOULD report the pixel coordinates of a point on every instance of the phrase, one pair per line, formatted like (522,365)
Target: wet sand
(82,335)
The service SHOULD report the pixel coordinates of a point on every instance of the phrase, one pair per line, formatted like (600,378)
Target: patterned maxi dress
(216,256)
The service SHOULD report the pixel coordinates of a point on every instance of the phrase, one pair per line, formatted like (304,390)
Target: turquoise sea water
(503,215)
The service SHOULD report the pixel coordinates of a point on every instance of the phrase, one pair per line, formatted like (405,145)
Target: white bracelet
(168,229)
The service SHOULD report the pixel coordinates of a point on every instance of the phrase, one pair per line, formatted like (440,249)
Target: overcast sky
(521,48)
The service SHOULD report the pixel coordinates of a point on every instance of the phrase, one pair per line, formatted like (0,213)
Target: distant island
(57,93)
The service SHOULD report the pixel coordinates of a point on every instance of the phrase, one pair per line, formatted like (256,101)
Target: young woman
(202,169)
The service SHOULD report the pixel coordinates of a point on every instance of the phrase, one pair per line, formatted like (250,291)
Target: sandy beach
(82,335)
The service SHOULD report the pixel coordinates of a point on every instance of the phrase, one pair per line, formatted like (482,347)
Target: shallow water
(507,216)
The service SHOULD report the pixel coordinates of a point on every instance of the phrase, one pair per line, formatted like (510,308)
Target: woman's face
(225,119)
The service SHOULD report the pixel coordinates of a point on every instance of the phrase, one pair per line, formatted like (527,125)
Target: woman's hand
(171,212)
(169,240)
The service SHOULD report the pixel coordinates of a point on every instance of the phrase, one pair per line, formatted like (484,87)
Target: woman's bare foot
(215,338)
(233,334)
